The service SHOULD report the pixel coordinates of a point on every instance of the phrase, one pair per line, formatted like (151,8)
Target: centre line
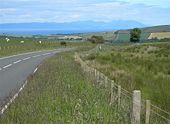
(26,58)
(17,61)
(36,56)
(7,66)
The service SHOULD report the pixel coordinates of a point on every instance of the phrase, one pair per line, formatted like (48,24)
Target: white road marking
(35,70)
(17,61)
(0,69)
(36,56)
(27,53)
(26,58)
(12,99)
(46,54)
(7,66)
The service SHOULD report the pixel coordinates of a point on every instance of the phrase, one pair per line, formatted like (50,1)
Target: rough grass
(59,93)
(144,67)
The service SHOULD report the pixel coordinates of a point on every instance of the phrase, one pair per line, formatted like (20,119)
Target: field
(159,35)
(125,37)
(108,36)
(138,66)
(14,45)
(59,93)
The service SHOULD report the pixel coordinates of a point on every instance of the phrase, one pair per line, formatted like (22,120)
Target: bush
(63,43)
(96,39)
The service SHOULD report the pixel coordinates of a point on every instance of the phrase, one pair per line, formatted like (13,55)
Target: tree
(96,39)
(135,35)
(63,43)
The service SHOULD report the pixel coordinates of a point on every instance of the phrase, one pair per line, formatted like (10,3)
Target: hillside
(124,35)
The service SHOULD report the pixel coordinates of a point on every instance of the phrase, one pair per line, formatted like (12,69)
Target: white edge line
(13,98)
(35,70)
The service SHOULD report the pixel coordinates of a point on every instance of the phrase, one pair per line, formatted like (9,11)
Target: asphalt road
(14,70)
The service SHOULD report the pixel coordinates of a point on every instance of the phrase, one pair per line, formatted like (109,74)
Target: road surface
(14,70)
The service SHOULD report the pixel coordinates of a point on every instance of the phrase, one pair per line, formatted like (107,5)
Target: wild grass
(145,67)
(59,93)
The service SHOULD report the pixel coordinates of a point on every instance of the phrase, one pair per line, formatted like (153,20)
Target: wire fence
(131,108)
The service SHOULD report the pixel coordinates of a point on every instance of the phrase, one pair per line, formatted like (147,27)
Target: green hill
(124,35)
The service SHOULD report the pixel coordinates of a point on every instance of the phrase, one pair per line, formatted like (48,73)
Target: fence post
(106,81)
(136,107)
(119,95)
(98,76)
(147,118)
(95,74)
(111,94)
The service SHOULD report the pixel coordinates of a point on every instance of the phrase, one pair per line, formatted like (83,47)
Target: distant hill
(153,29)
(124,35)
(162,28)
(70,27)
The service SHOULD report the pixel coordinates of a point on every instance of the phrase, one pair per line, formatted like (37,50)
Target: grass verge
(59,93)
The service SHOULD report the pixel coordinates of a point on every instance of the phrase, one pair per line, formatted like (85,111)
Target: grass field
(144,67)
(14,46)
(59,93)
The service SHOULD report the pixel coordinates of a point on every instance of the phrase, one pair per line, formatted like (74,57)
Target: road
(14,70)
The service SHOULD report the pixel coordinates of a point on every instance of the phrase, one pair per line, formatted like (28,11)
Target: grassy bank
(139,66)
(59,93)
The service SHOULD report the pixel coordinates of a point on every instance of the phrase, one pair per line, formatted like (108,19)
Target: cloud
(147,12)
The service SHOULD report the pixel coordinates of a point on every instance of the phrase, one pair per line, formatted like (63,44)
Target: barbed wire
(160,109)
(127,93)
(160,115)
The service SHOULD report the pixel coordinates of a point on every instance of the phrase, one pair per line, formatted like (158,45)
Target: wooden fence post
(147,118)
(106,82)
(136,107)
(111,93)
(95,74)
(98,76)
(119,95)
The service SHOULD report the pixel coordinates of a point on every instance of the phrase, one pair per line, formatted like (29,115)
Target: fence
(131,107)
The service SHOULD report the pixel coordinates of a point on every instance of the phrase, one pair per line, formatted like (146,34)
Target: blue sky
(149,12)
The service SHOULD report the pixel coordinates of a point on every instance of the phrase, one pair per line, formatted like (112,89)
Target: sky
(148,12)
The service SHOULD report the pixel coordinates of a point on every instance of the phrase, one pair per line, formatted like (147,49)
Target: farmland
(159,35)
(15,46)
(141,66)
(148,33)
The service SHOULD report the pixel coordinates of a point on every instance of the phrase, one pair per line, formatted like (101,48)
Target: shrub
(63,43)
(96,39)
